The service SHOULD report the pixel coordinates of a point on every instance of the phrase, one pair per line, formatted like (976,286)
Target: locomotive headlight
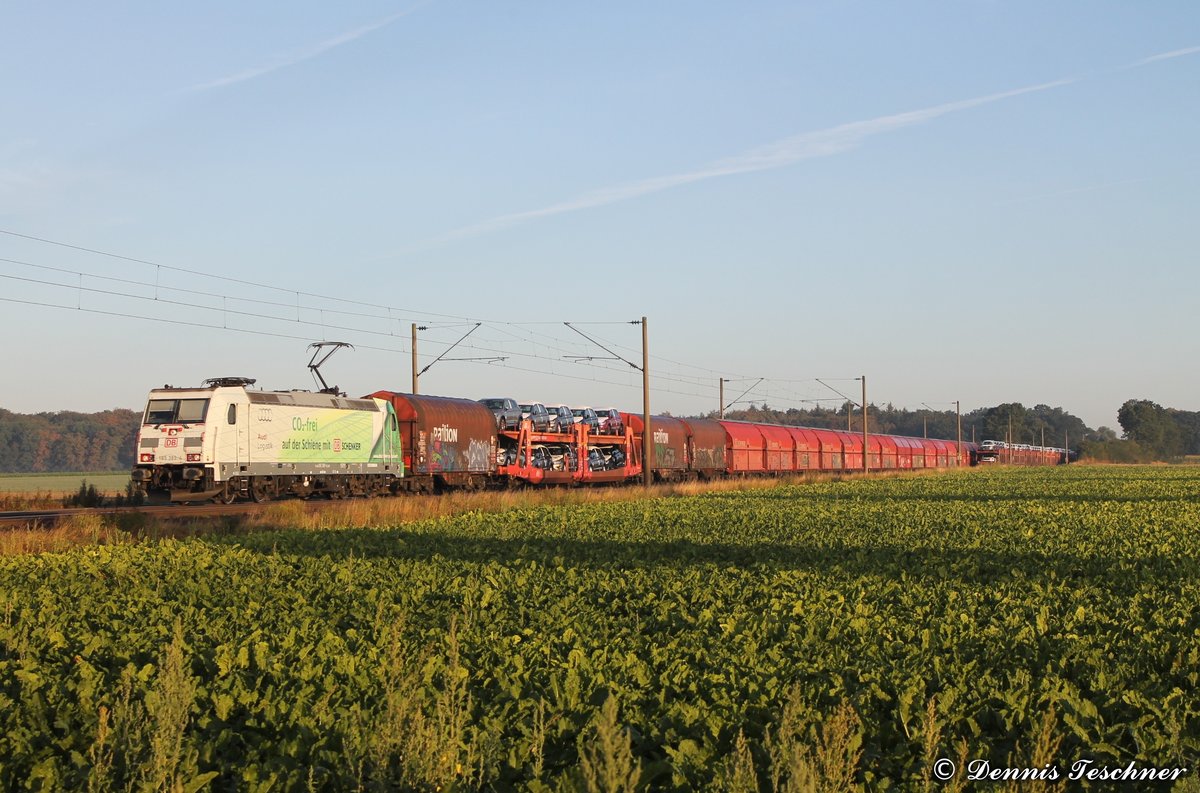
(193,458)
(146,458)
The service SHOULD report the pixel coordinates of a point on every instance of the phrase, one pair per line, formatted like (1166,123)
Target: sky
(977,201)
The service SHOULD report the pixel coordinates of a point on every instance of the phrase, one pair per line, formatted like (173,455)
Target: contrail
(311,52)
(781,153)
(1165,56)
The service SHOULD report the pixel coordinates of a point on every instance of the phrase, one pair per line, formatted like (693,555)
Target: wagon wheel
(261,489)
(228,494)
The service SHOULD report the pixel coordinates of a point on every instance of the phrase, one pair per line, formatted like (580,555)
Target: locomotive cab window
(192,410)
(175,411)
(231,415)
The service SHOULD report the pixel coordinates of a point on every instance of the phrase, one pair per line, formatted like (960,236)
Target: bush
(86,496)
(89,496)
(1115,452)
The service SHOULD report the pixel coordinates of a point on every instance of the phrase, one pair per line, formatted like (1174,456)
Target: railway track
(47,518)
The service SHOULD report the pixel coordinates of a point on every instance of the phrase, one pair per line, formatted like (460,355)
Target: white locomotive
(226,441)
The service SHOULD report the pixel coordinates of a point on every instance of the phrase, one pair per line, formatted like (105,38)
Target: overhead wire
(553,344)
(170,321)
(230,279)
(777,393)
(159,288)
(287,290)
(273,334)
(326,326)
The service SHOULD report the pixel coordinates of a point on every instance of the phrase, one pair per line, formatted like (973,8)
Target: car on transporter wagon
(506,410)
(561,418)
(610,421)
(539,417)
(585,415)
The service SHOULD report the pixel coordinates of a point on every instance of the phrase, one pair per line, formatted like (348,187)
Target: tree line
(67,441)
(1151,432)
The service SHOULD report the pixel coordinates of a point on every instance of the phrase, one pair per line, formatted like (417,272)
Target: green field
(753,640)
(105,482)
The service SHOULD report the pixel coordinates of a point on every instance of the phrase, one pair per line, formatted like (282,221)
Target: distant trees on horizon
(1151,432)
(67,441)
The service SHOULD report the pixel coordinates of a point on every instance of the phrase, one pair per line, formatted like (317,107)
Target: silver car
(506,411)
(561,419)
(538,416)
(585,415)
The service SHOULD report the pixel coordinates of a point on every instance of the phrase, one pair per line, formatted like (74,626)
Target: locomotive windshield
(176,411)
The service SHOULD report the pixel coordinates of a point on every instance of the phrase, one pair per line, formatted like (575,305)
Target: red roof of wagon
(805,439)
(851,442)
(929,445)
(778,446)
(888,444)
(708,444)
(829,439)
(945,447)
(743,435)
(746,445)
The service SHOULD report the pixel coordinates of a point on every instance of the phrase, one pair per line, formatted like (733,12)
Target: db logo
(172,443)
(337,444)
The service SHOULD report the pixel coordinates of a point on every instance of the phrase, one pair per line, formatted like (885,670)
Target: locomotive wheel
(228,494)
(262,489)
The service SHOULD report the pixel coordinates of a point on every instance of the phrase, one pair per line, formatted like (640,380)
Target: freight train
(226,441)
